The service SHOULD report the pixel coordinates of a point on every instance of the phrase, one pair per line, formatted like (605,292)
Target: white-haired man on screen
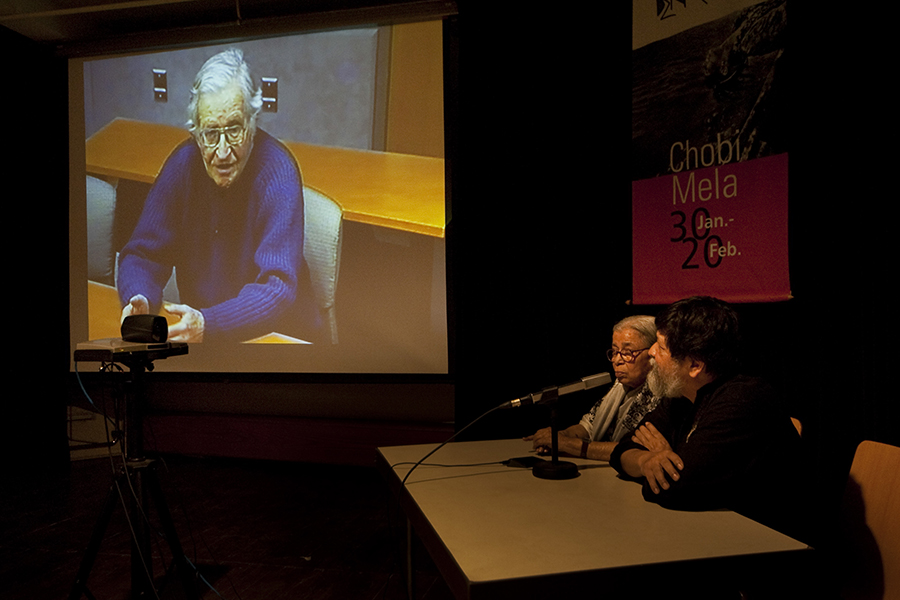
(227,212)
(618,413)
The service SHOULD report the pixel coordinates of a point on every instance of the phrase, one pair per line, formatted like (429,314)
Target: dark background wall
(35,191)
(539,241)
(545,139)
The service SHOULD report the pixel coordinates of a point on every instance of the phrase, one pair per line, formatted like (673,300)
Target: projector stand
(554,468)
(137,480)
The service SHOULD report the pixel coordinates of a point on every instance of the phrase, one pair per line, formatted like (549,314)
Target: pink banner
(719,231)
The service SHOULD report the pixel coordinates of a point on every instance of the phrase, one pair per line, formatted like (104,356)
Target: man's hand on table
(542,441)
(138,305)
(659,464)
(190,325)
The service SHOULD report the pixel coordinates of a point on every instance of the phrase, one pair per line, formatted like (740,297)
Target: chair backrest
(871,523)
(323,219)
(101,212)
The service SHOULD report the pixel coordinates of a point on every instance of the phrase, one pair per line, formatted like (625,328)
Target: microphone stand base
(555,470)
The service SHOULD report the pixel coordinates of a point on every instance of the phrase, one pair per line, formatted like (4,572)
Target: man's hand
(648,436)
(138,305)
(541,440)
(659,464)
(659,467)
(190,325)
(568,440)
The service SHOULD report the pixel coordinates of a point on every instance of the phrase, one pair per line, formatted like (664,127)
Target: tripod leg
(185,571)
(410,571)
(142,585)
(90,555)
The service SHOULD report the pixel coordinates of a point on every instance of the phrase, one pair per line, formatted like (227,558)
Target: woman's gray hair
(217,73)
(645,326)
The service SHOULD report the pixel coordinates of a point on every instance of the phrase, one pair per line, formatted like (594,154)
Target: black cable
(136,545)
(425,464)
(146,561)
(103,367)
(188,520)
(441,445)
(408,473)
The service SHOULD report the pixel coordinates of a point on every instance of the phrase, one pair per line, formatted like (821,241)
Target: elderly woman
(622,408)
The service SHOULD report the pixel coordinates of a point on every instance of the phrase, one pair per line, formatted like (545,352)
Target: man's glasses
(627,355)
(211,137)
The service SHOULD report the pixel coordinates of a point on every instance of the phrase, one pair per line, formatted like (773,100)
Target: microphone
(585,383)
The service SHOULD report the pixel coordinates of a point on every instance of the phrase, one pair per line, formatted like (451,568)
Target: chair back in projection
(323,220)
(101,212)
(870,523)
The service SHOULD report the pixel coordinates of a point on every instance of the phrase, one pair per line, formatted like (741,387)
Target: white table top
(501,523)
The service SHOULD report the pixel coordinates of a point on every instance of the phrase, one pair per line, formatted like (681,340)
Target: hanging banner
(719,231)
(709,151)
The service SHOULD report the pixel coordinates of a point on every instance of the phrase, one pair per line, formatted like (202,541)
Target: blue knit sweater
(237,251)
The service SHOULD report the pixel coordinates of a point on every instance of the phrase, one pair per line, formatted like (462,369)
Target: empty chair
(323,219)
(101,211)
(870,524)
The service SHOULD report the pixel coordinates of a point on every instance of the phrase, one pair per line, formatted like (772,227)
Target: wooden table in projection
(398,191)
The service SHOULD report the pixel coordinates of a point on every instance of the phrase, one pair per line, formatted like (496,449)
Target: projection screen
(360,112)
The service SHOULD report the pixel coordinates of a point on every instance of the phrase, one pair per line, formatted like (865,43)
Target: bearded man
(717,439)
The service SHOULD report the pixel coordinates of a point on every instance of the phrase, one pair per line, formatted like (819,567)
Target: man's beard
(663,385)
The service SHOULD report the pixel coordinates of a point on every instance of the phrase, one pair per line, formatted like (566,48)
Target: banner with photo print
(709,151)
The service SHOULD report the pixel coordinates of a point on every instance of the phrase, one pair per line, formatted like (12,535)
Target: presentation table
(497,531)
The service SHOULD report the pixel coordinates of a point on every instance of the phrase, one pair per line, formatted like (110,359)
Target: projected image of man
(226,211)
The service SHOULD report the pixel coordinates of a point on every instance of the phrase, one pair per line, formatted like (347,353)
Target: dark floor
(255,530)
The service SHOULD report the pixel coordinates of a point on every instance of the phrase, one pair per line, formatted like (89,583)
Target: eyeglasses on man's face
(211,136)
(627,355)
